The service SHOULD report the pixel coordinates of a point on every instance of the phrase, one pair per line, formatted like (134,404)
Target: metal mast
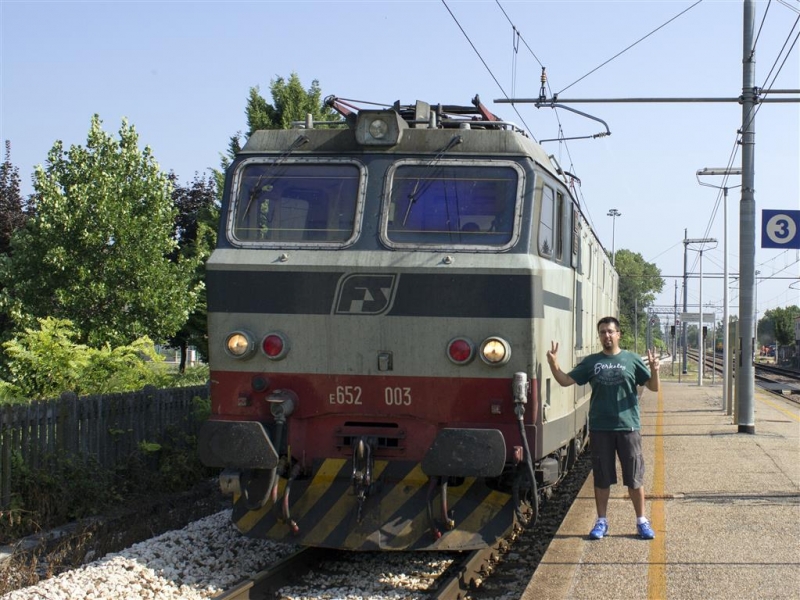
(745,372)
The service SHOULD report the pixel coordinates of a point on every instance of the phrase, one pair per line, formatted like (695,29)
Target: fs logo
(364,294)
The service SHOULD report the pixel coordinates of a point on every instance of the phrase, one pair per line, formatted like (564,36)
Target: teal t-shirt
(615,402)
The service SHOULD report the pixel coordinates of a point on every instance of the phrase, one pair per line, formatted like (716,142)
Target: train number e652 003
(351,394)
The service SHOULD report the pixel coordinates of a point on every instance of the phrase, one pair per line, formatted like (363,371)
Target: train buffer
(725,507)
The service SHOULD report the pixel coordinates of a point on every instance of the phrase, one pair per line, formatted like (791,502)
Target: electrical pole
(726,353)
(700,347)
(613,213)
(750,99)
(683,330)
(675,335)
(745,372)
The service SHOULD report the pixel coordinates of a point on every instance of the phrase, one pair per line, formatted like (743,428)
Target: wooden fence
(107,428)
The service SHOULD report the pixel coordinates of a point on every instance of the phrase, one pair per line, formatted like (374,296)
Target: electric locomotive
(380,301)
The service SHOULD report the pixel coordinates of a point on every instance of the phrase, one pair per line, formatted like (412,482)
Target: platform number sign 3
(780,228)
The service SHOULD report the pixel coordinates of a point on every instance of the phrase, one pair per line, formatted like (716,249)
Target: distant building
(173,355)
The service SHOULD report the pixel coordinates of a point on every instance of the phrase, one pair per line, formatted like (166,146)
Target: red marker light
(275,346)
(460,351)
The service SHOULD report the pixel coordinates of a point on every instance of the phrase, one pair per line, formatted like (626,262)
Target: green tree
(12,207)
(639,282)
(777,325)
(290,102)
(46,360)
(12,217)
(97,250)
(196,231)
(234,145)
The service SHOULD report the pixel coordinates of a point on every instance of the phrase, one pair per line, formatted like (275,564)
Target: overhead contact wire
(631,46)
(520,37)
(766,85)
(487,67)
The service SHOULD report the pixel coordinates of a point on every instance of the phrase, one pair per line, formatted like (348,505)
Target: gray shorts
(606,446)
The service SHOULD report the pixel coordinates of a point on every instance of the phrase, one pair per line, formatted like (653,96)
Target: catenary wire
(767,84)
(487,68)
(754,112)
(518,36)
(631,46)
(761,26)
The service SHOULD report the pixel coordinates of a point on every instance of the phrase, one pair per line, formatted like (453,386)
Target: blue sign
(780,228)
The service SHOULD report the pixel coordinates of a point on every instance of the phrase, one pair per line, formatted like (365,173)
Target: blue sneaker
(645,531)
(599,530)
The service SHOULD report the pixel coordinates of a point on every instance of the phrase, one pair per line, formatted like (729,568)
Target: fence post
(109,427)
(67,424)
(5,457)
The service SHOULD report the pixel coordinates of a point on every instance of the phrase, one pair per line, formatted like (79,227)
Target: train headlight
(495,351)
(239,344)
(460,351)
(379,127)
(275,345)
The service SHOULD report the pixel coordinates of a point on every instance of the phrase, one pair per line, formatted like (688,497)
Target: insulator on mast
(542,91)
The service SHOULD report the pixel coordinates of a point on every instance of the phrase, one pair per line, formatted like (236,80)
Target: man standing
(614,424)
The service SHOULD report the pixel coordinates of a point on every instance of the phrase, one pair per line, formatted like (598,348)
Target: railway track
(266,583)
(303,569)
(477,575)
(777,380)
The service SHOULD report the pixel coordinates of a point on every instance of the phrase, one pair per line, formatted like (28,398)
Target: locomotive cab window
(295,203)
(551,224)
(452,204)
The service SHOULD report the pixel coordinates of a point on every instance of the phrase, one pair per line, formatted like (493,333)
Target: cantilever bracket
(554,104)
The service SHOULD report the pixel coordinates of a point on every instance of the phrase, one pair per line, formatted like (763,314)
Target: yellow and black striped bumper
(394,516)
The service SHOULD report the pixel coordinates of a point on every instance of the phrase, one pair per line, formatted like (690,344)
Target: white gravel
(210,555)
(191,563)
(373,576)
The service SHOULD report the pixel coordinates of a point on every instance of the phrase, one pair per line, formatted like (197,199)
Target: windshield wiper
(418,191)
(270,169)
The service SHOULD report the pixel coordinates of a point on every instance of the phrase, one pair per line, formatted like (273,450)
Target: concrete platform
(725,507)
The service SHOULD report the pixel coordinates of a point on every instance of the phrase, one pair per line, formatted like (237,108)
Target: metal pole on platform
(714,351)
(745,372)
(613,213)
(726,354)
(685,291)
(676,334)
(701,350)
(701,357)
(731,342)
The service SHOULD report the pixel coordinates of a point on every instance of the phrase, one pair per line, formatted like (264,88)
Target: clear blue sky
(180,72)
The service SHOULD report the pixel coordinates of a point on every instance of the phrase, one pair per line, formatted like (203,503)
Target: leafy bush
(42,363)
(70,488)
(195,375)
(67,489)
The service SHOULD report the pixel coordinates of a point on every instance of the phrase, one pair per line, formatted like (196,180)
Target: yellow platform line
(657,570)
(791,415)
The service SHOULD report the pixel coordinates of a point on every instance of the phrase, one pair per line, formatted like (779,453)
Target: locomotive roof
(486,143)
(430,129)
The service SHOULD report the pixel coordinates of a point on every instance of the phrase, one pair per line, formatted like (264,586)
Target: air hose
(520,389)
